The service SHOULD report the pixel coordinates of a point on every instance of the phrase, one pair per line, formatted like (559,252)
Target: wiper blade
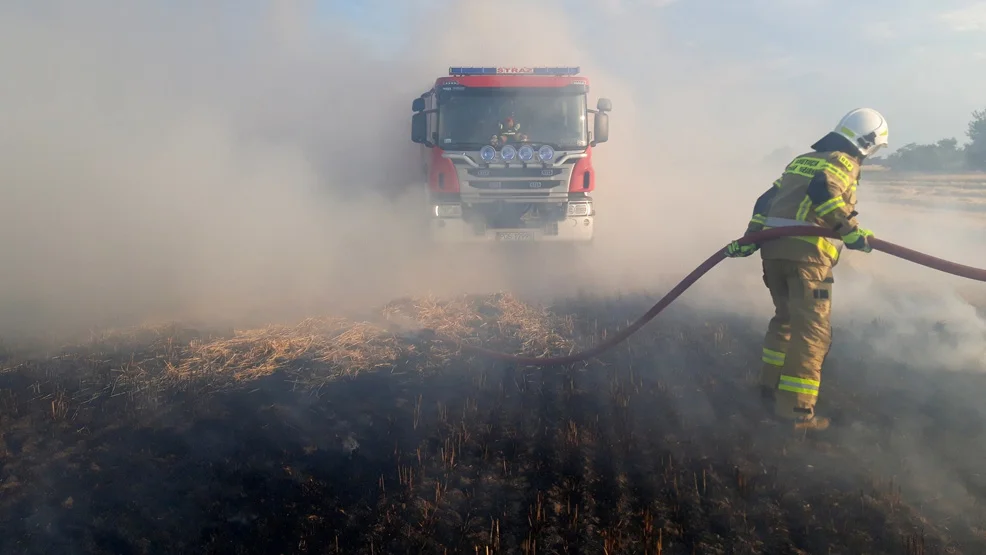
(463,146)
(555,145)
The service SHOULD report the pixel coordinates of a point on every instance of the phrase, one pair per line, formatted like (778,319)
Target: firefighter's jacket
(509,130)
(817,188)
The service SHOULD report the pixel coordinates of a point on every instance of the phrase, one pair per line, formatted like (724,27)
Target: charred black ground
(340,437)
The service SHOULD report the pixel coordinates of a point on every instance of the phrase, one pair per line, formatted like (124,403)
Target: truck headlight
(508,153)
(448,210)
(546,153)
(579,208)
(487,153)
(526,153)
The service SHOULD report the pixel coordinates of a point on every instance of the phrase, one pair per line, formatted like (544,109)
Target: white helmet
(866,128)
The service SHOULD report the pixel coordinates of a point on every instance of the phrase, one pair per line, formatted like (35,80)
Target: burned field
(346,437)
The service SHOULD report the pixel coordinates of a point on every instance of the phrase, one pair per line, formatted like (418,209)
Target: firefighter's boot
(813,424)
(802,418)
(805,421)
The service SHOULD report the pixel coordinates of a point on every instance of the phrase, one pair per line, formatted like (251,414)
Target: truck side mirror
(600,129)
(418,105)
(419,128)
(604,105)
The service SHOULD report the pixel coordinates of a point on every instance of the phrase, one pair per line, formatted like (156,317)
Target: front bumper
(574,229)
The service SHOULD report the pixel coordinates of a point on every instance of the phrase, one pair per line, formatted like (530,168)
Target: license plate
(515,236)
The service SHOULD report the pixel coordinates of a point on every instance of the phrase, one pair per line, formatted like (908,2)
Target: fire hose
(887,247)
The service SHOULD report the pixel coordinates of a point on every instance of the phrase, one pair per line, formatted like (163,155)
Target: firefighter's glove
(736,250)
(858,240)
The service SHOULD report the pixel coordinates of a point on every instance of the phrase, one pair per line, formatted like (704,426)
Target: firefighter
(816,188)
(509,130)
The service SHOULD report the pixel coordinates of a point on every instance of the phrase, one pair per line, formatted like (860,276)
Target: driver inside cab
(509,132)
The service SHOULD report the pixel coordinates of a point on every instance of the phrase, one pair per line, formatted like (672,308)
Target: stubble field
(342,436)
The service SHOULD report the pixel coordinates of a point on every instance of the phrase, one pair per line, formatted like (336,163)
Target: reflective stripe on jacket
(817,188)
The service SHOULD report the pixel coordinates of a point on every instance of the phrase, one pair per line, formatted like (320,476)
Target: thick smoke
(190,161)
(187,161)
(199,161)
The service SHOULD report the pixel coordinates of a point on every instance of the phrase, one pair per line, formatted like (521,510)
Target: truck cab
(507,154)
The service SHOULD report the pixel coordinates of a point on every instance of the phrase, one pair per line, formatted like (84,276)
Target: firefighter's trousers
(798,336)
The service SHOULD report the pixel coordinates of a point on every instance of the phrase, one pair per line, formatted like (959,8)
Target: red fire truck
(508,154)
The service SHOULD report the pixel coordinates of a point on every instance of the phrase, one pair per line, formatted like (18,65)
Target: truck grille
(534,173)
(516,185)
(524,194)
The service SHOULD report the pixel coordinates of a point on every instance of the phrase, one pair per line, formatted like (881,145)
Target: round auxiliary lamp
(526,153)
(508,153)
(487,153)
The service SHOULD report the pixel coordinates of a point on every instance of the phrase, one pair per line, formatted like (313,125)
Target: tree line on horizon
(944,156)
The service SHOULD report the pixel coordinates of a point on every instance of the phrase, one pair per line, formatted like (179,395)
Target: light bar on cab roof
(513,70)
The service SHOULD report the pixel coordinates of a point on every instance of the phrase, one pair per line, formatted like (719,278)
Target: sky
(922,63)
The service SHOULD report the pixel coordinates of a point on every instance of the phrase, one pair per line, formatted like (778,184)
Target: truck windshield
(472,117)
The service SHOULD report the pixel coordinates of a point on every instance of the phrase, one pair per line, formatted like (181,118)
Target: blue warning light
(550,71)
